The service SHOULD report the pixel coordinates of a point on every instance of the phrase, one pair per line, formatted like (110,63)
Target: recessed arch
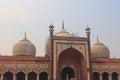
(73,58)
(105,76)
(96,76)
(8,76)
(115,76)
(43,76)
(32,76)
(67,73)
(20,76)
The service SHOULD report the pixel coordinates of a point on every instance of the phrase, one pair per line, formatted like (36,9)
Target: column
(14,77)
(1,77)
(37,77)
(100,76)
(26,77)
(118,77)
(67,77)
(110,77)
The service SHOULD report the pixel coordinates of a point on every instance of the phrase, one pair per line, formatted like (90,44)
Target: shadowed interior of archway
(96,76)
(32,76)
(20,76)
(67,73)
(43,76)
(8,76)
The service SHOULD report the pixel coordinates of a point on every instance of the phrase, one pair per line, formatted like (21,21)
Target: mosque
(68,57)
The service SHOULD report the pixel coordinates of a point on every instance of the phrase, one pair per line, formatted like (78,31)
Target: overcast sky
(34,17)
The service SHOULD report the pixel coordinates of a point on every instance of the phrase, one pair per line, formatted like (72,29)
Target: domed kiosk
(99,50)
(24,48)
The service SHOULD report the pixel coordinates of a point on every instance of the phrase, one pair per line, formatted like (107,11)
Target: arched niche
(8,76)
(67,73)
(43,76)
(20,76)
(115,76)
(105,76)
(32,76)
(74,58)
(96,76)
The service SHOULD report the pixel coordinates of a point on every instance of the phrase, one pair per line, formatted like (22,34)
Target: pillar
(1,77)
(37,77)
(118,77)
(110,77)
(26,77)
(14,77)
(67,77)
(100,76)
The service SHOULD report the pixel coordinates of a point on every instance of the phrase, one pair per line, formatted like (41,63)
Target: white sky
(34,17)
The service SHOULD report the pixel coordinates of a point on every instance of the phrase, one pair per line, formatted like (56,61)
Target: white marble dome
(99,50)
(63,32)
(24,48)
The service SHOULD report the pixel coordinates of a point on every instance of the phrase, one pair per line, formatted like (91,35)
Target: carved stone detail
(43,66)
(21,65)
(61,47)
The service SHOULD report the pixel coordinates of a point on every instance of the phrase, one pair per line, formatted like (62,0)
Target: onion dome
(24,48)
(99,50)
(63,32)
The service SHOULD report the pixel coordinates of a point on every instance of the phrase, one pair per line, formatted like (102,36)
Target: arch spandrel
(79,47)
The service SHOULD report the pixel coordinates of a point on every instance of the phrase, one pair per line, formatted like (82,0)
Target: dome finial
(98,39)
(63,24)
(25,37)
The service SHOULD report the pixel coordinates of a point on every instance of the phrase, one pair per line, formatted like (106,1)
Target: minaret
(88,32)
(51,29)
(89,53)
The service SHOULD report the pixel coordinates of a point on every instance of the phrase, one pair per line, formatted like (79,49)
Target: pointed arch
(115,76)
(20,76)
(8,76)
(105,76)
(43,76)
(96,76)
(67,73)
(32,76)
(73,58)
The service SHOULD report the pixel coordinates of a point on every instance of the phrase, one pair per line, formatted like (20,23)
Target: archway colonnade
(22,76)
(106,76)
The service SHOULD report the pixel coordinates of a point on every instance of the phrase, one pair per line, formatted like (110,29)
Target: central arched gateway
(71,65)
